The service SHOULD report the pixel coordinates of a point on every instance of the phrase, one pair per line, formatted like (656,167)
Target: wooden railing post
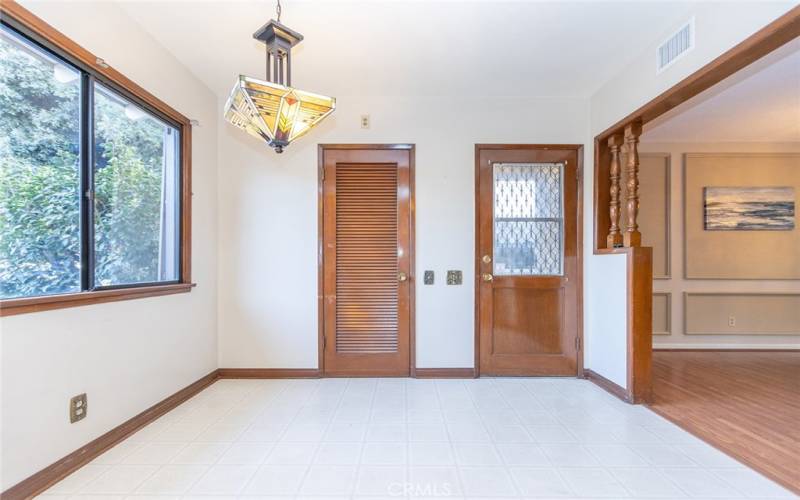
(614,238)
(632,237)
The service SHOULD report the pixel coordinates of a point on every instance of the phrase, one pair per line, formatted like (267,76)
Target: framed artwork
(748,208)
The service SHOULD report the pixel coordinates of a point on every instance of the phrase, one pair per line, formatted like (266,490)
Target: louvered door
(366,261)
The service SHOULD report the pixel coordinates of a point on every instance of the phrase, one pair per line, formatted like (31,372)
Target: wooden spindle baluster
(632,237)
(614,238)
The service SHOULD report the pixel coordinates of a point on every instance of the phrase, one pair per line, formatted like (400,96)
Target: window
(91,180)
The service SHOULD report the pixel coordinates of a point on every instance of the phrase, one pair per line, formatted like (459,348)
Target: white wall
(268,220)
(126,355)
(719,26)
(677,285)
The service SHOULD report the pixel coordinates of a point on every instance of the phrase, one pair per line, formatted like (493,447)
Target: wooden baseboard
(54,473)
(444,373)
(269,373)
(607,385)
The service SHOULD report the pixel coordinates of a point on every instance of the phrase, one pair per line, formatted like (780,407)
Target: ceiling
(413,48)
(760,103)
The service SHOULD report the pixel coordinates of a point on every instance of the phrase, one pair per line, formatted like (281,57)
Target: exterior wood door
(367,264)
(527,270)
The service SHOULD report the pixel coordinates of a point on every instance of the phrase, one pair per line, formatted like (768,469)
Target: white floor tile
(593,482)
(430,454)
(172,480)
(120,479)
(699,483)
(277,480)
(523,454)
(246,453)
(752,484)
(292,453)
(78,479)
(487,481)
(708,456)
(569,455)
(154,454)
(615,455)
(388,481)
(338,454)
(384,454)
(336,439)
(329,480)
(662,455)
(540,482)
(646,482)
(200,453)
(434,481)
(476,454)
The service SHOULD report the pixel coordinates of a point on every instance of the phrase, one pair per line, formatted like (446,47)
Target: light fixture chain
(278,10)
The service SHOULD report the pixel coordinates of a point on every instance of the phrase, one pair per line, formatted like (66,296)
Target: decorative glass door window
(528,219)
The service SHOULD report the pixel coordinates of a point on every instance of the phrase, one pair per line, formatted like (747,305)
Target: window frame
(94,69)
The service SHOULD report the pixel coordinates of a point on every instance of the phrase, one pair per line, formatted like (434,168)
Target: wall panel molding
(741,313)
(667,312)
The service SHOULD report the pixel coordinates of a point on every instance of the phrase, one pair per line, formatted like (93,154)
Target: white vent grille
(681,42)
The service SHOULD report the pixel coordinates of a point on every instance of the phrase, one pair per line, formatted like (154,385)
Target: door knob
(487,277)
(401,276)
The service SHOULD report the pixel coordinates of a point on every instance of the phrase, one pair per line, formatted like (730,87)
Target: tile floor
(389,438)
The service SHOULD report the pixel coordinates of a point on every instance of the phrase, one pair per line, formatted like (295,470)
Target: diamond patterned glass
(274,113)
(528,219)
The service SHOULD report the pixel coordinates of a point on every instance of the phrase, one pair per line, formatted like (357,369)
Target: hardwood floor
(747,404)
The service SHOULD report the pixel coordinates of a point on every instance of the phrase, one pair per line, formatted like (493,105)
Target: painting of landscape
(749,208)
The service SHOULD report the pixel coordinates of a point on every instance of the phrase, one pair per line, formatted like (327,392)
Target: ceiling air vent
(681,42)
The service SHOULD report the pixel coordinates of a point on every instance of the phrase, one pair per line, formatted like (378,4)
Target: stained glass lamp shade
(275,113)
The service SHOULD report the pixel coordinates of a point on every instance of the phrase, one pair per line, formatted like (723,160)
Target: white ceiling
(760,103)
(413,48)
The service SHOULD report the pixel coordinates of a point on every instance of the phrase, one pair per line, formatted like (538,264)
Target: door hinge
(322,173)
(578,344)
(324,341)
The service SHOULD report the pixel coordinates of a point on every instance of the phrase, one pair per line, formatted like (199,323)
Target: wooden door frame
(639,356)
(411,148)
(578,148)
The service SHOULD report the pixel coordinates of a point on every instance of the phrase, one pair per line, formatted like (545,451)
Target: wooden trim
(640,324)
(54,473)
(606,384)
(578,148)
(18,15)
(269,373)
(10,307)
(764,41)
(445,373)
(321,148)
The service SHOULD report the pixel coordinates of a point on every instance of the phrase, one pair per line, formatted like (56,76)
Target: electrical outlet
(364,121)
(731,321)
(77,408)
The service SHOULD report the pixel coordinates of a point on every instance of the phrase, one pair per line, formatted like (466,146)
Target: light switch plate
(454,277)
(429,277)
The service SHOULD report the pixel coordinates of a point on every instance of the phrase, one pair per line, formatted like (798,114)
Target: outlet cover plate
(77,408)
(454,277)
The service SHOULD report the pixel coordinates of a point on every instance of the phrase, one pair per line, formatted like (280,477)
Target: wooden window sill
(10,307)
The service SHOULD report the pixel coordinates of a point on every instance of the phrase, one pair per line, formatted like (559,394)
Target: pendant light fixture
(271,109)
